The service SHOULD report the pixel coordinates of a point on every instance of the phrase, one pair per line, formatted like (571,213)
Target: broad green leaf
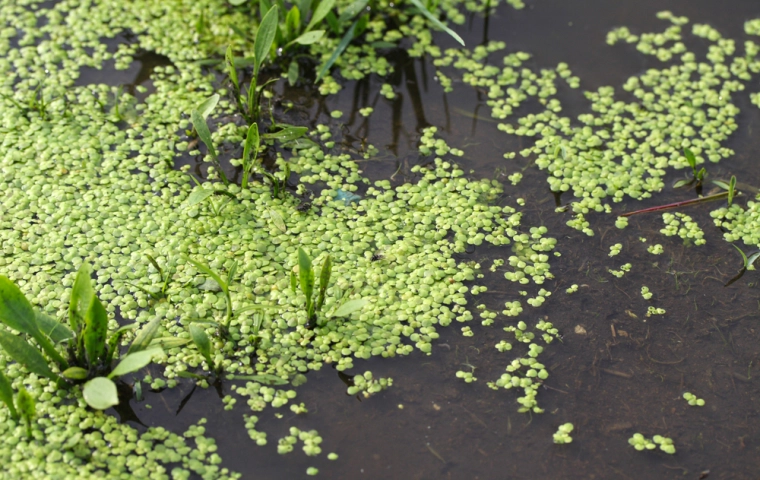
(95,332)
(352,10)
(145,336)
(691,159)
(208,105)
(286,134)
(293,21)
(264,38)
(168,342)
(15,309)
(198,196)
(309,37)
(347,37)
(54,329)
(75,373)
(100,393)
(201,341)
(6,394)
(305,273)
(293,72)
(320,12)
(203,132)
(26,355)
(81,296)
(134,362)
(432,18)
(350,307)
(701,174)
(203,268)
(277,220)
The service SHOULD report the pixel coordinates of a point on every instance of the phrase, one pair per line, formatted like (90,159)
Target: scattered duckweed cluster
(693,400)
(562,435)
(623,270)
(655,249)
(639,442)
(683,226)
(646,293)
(367,385)
(615,249)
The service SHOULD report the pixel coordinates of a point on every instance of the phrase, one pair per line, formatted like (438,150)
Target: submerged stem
(684,203)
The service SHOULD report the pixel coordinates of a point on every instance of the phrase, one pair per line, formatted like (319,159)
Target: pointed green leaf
(350,307)
(75,373)
(305,274)
(264,38)
(6,394)
(203,268)
(352,10)
(321,12)
(201,341)
(277,220)
(95,332)
(54,329)
(100,393)
(208,105)
(432,18)
(731,190)
(229,60)
(682,183)
(26,355)
(203,132)
(81,296)
(233,271)
(145,336)
(691,159)
(309,37)
(134,362)
(293,21)
(15,309)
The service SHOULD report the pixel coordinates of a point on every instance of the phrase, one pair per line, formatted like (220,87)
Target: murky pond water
(615,371)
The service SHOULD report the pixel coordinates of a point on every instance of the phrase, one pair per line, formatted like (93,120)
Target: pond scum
(85,182)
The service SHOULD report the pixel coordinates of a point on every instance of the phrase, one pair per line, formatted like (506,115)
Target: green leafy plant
(315,298)
(747,264)
(697,175)
(165,277)
(26,406)
(198,118)
(224,284)
(90,348)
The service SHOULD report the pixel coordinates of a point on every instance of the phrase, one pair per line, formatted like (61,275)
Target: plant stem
(684,203)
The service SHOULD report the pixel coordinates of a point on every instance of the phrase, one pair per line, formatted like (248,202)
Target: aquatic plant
(748,263)
(693,400)
(224,285)
(90,349)
(697,175)
(562,436)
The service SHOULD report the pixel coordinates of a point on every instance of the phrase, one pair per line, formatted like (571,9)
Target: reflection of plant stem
(684,203)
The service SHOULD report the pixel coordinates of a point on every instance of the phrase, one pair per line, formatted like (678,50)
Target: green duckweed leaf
(26,355)
(75,373)
(264,38)
(432,18)
(100,393)
(298,380)
(145,336)
(6,394)
(350,307)
(15,309)
(134,362)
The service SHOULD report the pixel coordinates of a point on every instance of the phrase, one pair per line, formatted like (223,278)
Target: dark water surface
(624,375)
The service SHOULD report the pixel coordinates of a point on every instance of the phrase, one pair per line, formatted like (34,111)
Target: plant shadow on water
(616,370)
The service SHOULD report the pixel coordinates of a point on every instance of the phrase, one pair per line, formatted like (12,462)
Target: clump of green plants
(693,400)
(640,442)
(697,175)
(91,350)
(562,436)
(368,385)
(748,263)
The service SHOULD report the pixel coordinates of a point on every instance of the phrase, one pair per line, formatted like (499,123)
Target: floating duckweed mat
(87,176)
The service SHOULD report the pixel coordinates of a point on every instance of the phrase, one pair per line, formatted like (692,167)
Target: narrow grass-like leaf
(15,309)
(286,134)
(26,408)
(54,329)
(305,274)
(320,12)
(95,332)
(134,362)
(293,281)
(28,356)
(347,37)
(100,393)
(75,373)
(309,37)
(6,394)
(683,183)
(691,159)
(264,38)
(324,281)
(352,10)
(731,190)
(232,272)
(168,342)
(203,268)
(201,341)
(250,152)
(229,60)
(424,11)
(203,132)
(350,307)
(752,259)
(208,105)
(145,336)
